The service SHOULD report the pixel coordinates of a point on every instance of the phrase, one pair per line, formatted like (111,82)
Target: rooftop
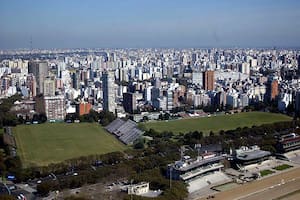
(188,165)
(251,153)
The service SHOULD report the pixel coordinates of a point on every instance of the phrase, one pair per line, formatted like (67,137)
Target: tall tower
(209,80)
(31,84)
(109,98)
(274,89)
(129,102)
(40,70)
(49,87)
(297,104)
(76,80)
(298,64)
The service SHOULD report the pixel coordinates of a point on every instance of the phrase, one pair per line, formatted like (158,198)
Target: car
(12,187)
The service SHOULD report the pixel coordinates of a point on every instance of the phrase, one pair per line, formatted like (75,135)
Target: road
(260,189)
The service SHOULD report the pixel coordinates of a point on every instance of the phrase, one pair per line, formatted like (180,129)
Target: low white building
(139,188)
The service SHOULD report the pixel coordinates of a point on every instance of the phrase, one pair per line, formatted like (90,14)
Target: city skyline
(136,24)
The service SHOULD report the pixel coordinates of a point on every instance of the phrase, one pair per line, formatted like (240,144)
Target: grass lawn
(42,144)
(282,167)
(266,172)
(217,123)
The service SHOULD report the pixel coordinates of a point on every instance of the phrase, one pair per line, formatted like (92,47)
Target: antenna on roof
(30,50)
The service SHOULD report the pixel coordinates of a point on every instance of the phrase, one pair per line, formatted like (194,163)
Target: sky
(149,23)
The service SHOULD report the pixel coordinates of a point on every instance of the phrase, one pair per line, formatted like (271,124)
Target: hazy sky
(149,23)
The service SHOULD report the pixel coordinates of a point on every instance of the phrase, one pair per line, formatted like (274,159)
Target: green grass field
(282,167)
(266,172)
(43,144)
(217,123)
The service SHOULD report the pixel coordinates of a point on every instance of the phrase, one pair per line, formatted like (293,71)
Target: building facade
(108,81)
(209,80)
(40,70)
(55,107)
(49,87)
(129,102)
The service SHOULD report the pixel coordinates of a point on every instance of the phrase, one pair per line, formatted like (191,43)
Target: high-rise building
(244,68)
(55,107)
(129,102)
(157,82)
(108,81)
(274,89)
(194,57)
(297,103)
(40,70)
(31,85)
(244,100)
(49,87)
(147,93)
(298,64)
(170,103)
(197,78)
(209,80)
(155,93)
(76,80)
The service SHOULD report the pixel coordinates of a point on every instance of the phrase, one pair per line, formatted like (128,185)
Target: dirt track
(260,189)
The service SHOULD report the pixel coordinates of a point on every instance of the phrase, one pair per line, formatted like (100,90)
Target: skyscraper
(108,81)
(274,89)
(297,104)
(209,80)
(49,87)
(40,70)
(76,80)
(129,102)
(31,85)
(298,65)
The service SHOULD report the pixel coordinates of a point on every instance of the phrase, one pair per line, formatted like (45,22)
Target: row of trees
(103,117)
(140,165)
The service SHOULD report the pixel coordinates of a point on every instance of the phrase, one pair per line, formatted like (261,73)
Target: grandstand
(126,131)
(288,143)
(249,155)
(188,169)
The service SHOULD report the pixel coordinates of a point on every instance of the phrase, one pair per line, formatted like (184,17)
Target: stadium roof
(252,155)
(198,163)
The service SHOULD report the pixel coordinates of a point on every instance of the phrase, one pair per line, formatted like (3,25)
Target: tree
(43,189)
(139,144)
(42,117)
(106,117)
(20,119)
